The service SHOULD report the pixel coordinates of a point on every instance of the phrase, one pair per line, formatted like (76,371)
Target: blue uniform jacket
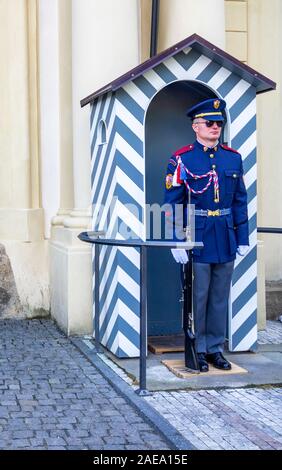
(222,234)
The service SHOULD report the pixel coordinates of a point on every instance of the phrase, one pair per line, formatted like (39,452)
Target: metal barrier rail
(269,230)
(92,237)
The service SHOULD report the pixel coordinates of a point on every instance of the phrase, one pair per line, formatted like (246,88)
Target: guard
(209,175)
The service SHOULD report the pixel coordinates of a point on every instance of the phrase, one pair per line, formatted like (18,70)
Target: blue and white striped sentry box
(118,114)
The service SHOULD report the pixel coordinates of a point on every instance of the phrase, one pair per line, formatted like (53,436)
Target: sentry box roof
(199,44)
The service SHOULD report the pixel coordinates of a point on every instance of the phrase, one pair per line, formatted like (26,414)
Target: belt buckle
(213,213)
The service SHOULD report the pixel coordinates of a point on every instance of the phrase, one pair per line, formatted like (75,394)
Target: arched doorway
(166,129)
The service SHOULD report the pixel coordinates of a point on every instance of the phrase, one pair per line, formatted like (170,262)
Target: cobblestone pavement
(272,334)
(225,419)
(51,397)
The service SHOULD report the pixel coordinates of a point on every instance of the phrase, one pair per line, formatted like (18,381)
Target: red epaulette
(187,148)
(225,147)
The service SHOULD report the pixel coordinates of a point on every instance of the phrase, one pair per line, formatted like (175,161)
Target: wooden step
(177,366)
(164,344)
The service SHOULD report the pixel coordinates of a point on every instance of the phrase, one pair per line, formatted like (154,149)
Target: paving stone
(225,419)
(53,398)
(36,442)
(272,334)
(19,443)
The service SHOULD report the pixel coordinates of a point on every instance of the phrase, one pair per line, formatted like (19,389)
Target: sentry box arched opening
(143,112)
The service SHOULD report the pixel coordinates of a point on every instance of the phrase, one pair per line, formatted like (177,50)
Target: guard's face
(207,133)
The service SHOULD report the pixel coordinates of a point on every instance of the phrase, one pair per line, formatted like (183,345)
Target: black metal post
(143,323)
(91,237)
(97,298)
(154,27)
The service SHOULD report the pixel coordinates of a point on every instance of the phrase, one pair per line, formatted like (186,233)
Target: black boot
(218,361)
(203,365)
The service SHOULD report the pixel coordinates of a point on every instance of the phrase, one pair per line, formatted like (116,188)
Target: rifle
(191,358)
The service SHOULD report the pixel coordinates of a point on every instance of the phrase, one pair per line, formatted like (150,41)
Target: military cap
(210,109)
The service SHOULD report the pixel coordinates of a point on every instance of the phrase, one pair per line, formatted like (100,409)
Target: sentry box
(137,122)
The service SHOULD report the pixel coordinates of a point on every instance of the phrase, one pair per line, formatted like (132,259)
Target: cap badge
(216,104)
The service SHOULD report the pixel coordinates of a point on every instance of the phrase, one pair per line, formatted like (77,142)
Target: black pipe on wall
(154,27)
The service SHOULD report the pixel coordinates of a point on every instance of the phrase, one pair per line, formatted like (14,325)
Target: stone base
(10,305)
(273,300)
(261,311)
(24,273)
(71,281)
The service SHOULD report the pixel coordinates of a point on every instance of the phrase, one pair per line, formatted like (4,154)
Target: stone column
(65,121)
(70,260)
(104,45)
(80,216)
(20,212)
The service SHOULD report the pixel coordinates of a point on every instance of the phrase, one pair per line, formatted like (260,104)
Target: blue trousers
(211,289)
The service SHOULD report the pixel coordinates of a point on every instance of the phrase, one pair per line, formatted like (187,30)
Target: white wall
(181,18)
(265,55)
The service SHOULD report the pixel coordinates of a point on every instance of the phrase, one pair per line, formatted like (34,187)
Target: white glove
(242,250)
(179,255)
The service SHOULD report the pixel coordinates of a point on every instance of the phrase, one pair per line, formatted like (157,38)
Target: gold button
(234,175)
(213,167)
(211,155)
